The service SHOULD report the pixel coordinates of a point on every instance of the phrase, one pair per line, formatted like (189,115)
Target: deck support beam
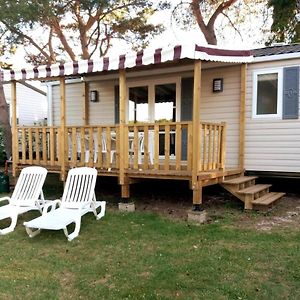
(197,189)
(242,117)
(197,195)
(62,141)
(14,127)
(125,192)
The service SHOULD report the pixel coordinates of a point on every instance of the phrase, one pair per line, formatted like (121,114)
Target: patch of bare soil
(219,204)
(286,214)
(173,200)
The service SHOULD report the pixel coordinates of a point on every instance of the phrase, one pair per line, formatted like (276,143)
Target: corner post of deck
(196,187)
(15,147)
(122,104)
(223,145)
(62,139)
(242,116)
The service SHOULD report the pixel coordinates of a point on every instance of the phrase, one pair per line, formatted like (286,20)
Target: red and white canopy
(131,60)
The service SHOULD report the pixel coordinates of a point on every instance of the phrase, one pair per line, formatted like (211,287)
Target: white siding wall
(215,107)
(31,105)
(74,104)
(223,106)
(101,112)
(271,144)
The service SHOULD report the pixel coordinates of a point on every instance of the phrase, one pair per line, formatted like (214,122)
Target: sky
(174,35)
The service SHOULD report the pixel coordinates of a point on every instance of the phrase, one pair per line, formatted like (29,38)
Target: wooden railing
(38,145)
(212,146)
(149,146)
(93,146)
(169,146)
(159,146)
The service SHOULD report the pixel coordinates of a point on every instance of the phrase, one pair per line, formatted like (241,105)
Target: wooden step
(268,199)
(254,189)
(239,180)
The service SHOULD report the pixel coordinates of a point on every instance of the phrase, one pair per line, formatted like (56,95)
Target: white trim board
(276,57)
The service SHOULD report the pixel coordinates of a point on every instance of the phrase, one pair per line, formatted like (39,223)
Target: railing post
(196,186)
(223,145)
(15,139)
(122,85)
(62,139)
(196,122)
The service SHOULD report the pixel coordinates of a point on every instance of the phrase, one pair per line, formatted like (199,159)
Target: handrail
(147,146)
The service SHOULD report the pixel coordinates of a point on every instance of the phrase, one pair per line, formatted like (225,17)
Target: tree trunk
(4,123)
(210,35)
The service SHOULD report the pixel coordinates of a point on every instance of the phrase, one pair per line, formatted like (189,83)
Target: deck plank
(255,189)
(268,199)
(240,180)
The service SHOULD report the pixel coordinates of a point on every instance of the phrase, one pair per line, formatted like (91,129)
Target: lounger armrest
(5,199)
(52,205)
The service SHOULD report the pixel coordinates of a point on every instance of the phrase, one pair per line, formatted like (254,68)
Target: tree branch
(198,15)
(106,39)
(97,38)
(232,24)
(62,38)
(218,11)
(50,46)
(29,39)
(82,30)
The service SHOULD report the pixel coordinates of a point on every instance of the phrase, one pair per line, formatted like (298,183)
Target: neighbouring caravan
(32,107)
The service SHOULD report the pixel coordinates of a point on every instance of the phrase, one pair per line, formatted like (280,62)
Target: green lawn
(144,256)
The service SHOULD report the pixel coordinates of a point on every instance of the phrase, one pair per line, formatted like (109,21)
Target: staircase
(254,196)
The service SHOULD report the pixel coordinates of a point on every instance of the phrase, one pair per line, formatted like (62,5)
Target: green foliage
(286,22)
(2,150)
(64,30)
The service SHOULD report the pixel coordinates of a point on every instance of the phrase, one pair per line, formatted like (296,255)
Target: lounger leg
(102,210)
(32,233)
(75,233)
(11,227)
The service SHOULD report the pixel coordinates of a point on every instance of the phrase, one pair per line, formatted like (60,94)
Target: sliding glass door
(155,101)
(138,104)
(165,102)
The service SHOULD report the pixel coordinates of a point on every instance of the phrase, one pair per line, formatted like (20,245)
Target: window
(154,100)
(267,93)
(165,110)
(165,102)
(138,104)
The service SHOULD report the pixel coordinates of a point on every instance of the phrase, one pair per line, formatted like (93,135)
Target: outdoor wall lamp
(94,96)
(218,85)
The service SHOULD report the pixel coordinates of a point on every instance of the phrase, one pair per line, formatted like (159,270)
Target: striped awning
(130,60)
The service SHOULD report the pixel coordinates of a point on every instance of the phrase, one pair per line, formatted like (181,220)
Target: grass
(145,256)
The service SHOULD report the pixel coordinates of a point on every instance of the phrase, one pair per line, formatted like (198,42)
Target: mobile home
(184,113)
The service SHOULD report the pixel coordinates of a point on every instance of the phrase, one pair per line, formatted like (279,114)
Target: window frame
(150,83)
(256,73)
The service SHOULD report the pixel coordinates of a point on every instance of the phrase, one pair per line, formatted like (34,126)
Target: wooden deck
(144,151)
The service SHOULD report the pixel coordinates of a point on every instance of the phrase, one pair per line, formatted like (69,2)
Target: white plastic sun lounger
(27,195)
(78,199)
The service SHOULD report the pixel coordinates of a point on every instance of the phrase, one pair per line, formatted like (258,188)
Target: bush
(2,149)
